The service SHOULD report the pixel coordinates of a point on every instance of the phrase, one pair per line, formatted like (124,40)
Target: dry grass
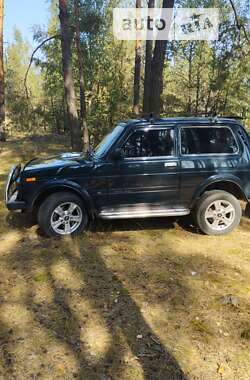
(127,300)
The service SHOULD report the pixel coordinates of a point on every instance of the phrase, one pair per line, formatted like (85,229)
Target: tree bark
(137,72)
(156,85)
(147,73)
(75,130)
(83,108)
(2,99)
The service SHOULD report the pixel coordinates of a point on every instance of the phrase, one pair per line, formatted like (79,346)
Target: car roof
(179,121)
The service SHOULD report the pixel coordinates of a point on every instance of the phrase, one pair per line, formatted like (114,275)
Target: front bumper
(11,193)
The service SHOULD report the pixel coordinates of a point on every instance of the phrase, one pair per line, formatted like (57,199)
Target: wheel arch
(230,185)
(57,188)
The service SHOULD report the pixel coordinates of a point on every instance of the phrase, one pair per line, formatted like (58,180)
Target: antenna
(151,117)
(148,116)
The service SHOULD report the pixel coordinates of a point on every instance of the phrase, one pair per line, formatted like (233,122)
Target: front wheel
(62,214)
(218,212)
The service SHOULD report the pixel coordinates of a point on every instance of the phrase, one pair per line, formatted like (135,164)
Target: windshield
(108,141)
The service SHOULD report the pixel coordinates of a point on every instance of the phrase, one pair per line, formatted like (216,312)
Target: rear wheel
(62,214)
(218,212)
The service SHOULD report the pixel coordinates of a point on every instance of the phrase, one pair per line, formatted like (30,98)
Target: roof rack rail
(202,114)
(233,117)
(212,115)
(189,114)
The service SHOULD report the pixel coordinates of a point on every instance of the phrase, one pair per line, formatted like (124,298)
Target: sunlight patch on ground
(16,315)
(42,292)
(9,241)
(62,272)
(96,339)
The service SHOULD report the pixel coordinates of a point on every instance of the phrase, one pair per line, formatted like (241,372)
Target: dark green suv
(143,168)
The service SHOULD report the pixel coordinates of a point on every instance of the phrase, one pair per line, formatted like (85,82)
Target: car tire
(217,212)
(64,207)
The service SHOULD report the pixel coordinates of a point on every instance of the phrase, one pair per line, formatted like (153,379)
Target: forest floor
(127,300)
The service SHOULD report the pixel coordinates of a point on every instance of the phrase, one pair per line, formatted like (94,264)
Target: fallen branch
(32,57)
(237,21)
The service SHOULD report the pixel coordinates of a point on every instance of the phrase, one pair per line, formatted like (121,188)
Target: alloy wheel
(66,218)
(220,215)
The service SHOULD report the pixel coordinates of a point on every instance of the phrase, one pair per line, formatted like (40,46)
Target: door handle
(170,164)
(134,166)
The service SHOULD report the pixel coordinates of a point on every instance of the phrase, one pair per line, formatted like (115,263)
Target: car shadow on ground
(186,223)
(22,220)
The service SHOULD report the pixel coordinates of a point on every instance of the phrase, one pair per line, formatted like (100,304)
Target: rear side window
(150,143)
(210,140)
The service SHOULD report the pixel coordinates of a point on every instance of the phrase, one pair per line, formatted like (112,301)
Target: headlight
(11,184)
(16,172)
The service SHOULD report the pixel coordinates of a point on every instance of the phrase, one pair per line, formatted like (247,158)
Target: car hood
(57,161)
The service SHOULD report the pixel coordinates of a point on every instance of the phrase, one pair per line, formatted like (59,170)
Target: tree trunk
(211,79)
(156,85)
(197,100)
(55,116)
(190,71)
(225,102)
(2,102)
(83,110)
(147,73)
(198,80)
(75,130)
(137,72)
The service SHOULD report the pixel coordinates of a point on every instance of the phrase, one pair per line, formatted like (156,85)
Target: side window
(150,143)
(207,140)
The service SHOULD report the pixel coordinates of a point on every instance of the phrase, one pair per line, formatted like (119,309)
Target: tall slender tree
(83,108)
(157,64)
(76,140)
(137,71)
(147,70)
(2,102)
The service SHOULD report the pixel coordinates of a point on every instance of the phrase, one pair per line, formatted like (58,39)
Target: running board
(127,214)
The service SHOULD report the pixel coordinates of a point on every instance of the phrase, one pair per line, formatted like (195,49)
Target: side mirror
(116,155)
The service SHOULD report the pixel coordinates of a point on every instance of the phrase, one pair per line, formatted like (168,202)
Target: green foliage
(199,76)
(22,113)
(202,77)
(108,69)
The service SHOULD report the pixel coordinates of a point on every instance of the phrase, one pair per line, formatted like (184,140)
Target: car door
(148,173)
(206,152)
